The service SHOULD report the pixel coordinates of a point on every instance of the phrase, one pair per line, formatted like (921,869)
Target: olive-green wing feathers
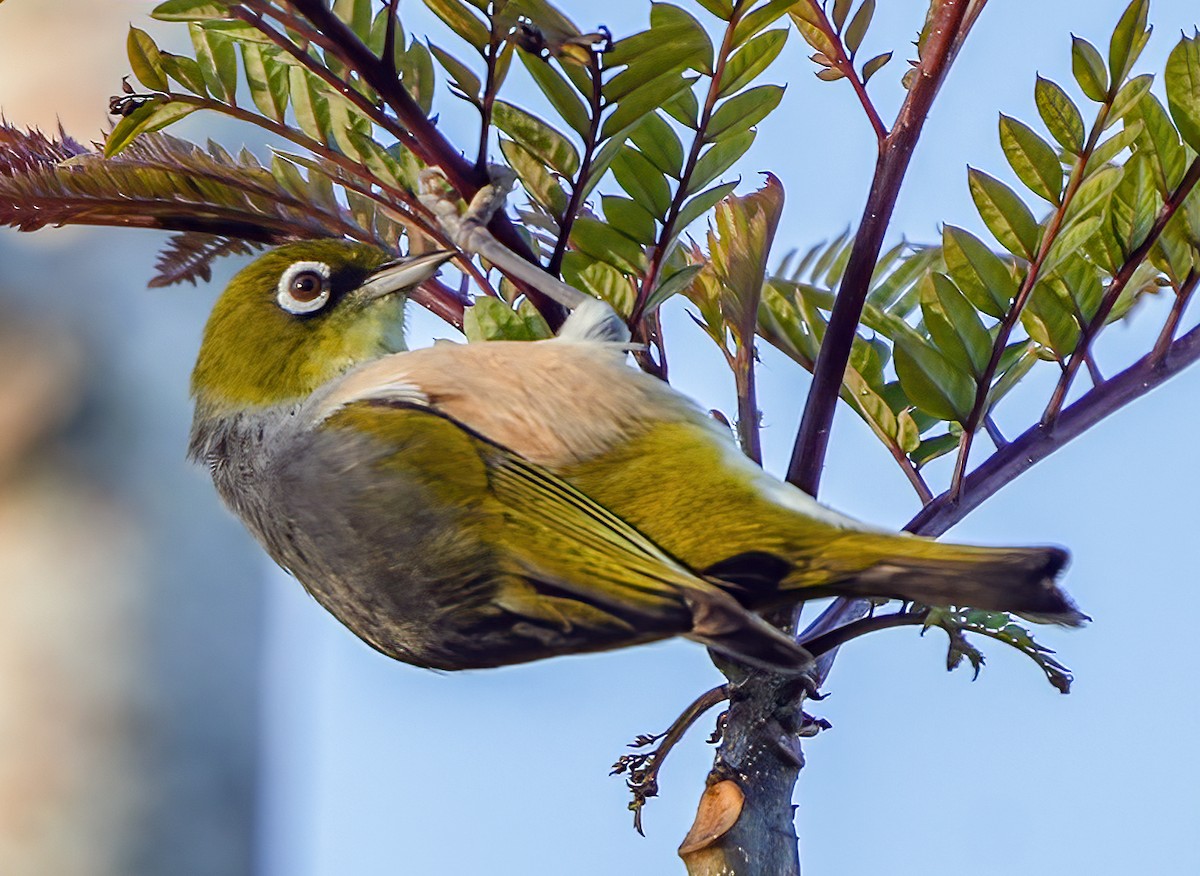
(559,554)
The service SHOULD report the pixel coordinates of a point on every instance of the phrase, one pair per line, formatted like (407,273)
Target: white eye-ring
(303,287)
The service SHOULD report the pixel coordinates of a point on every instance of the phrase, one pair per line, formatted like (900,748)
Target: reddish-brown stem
(844,64)
(911,472)
(585,167)
(747,398)
(491,58)
(1038,442)
(835,638)
(983,385)
(1113,293)
(389,39)
(658,253)
(812,440)
(1182,296)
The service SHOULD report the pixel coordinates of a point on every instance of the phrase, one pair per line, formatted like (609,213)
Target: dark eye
(303,287)
(306,285)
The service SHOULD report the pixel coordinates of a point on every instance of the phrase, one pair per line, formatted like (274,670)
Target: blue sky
(373,766)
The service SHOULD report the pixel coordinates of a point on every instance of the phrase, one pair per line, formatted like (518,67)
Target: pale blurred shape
(68,641)
(62,59)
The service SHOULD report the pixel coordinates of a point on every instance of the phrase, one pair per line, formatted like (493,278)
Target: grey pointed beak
(403,274)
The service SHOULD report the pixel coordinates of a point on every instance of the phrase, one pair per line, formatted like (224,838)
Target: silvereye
(492,503)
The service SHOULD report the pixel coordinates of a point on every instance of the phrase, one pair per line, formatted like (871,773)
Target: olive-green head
(300,315)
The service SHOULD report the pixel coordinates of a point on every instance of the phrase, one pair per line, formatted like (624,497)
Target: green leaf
(1049,317)
(602,280)
(1034,160)
(491,319)
(1183,89)
(1070,240)
(541,185)
(559,92)
(841,10)
(464,79)
(186,72)
(666,18)
(672,45)
(807,21)
(1094,192)
(1112,147)
(657,140)
(932,448)
(671,286)
(150,117)
(762,17)
(1128,39)
(357,16)
(630,218)
(267,79)
(874,65)
(718,159)
(857,29)
(460,19)
(190,10)
(954,325)
(603,242)
(145,60)
(537,137)
(416,72)
(743,112)
(931,381)
(218,62)
(1089,70)
(309,105)
(1128,98)
(1005,215)
(644,100)
(701,204)
(982,276)
(751,60)
(684,108)
(1063,119)
(643,181)
(722,9)
(1159,140)
(1134,205)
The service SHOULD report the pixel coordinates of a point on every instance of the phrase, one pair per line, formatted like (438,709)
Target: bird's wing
(556,538)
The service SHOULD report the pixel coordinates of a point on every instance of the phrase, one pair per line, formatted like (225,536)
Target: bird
(465,506)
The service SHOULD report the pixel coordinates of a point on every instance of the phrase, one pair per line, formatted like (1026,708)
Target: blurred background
(171,703)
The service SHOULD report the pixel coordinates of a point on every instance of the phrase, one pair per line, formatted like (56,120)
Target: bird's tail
(1021,580)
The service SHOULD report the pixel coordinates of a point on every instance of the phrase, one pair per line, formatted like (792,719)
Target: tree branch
(1038,442)
(1113,293)
(812,440)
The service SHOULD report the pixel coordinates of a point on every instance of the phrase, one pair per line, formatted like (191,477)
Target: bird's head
(300,315)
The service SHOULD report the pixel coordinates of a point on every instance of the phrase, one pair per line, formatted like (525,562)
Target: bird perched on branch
(486,504)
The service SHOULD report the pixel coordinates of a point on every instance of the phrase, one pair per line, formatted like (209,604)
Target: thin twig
(575,204)
(658,253)
(1038,442)
(983,386)
(1182,296)
(839,636)
(844,64)
(1113,293)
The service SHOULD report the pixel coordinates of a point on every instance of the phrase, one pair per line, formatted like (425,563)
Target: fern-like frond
(221,203)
